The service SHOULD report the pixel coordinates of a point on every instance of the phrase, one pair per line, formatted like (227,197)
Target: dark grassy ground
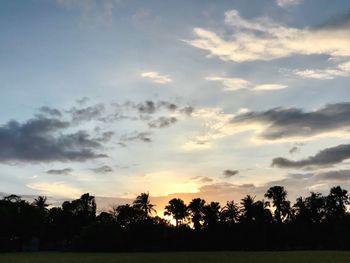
(180,257)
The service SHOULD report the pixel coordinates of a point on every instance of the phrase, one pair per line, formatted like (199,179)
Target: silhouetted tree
(230,212)
(315,204)
(301,212)
(336,203)
(247,214)
(126,215)
(195,209)
(143,203)
(315,222)
(211,213)
(177,209)
(278,196)
(41,203)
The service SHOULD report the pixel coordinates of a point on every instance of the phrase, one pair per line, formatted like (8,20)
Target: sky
(200,98)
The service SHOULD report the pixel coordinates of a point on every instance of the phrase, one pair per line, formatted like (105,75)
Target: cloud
(105,137)
(294,149)
(50,111)
(42,139)
(187,110)
(144,109)
(202,179)
(230,173)
(157,77)
(233,84)
(216,125)
(288,3)
(265,87)
(324,158)
(82,100)
(341,70)
(102,169)
(162,122)
(168,105)
(261,38)
(137,136)
(292,123)
(147,107)
(88,113)
(60,189)
(64,171)
(92,11)
(337,175)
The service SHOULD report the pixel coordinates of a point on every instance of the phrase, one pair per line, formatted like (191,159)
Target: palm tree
(177,209)
(261,213)
(143,203)
(230,212)
(40,203)
(282,207)
(211,214)
(196,210)
(301,210)
(247,208)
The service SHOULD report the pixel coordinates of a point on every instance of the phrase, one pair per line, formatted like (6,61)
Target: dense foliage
(313,222)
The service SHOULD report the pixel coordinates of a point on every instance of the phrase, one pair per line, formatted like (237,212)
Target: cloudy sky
(205,98)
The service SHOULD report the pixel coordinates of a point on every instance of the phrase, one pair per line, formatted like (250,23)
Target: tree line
(273,223)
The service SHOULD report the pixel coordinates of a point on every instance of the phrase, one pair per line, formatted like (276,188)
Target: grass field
(180,257)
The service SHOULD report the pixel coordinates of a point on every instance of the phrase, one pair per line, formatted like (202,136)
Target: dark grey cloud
(326,157)
(230,173)
(102,169)
(137,136)
(168,105)
(294,149)
(151,107)
(290,122)
(42,139)
(162,122)
(64,171)
(147,107)
(88,113)
(188,110)
(146,111)
(106,136)
(50,111)
(338,175)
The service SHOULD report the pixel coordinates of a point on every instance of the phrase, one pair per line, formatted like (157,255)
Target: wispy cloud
(94,11)
(265,87)
(341,70)
(288,3)
(60,189)
(231,84)
(234,84)
(102,169)
(64,171)
(157,77)
(264,39)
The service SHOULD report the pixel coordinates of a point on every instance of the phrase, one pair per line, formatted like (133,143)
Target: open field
(180,257)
